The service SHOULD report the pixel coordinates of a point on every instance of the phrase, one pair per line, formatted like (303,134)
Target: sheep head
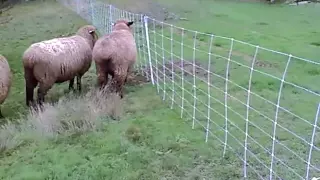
(123,25)
(88,32)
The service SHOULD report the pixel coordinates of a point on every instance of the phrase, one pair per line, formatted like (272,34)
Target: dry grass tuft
(70,115)
(10,137)
(133,133)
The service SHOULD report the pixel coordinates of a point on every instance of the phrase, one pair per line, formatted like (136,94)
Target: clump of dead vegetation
(68,116)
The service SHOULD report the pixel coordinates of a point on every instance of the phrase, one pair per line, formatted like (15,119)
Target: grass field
(151,141)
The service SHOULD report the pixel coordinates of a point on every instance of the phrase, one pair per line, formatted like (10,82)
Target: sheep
(5,80)
(56,61)
(115,54)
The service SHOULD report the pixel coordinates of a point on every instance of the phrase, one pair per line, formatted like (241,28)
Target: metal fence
(259,104)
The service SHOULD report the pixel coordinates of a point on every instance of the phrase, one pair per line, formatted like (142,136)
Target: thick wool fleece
(5,80)
(58,60)
(115,55)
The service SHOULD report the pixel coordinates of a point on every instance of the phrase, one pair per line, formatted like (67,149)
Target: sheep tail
(29,58)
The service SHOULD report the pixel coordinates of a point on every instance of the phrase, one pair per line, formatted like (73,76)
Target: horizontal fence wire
(259,105)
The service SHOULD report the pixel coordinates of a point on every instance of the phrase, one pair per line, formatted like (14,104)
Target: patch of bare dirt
(137,79)
(4,16)
(265,64)
(246,57)
(5,19)
(179,67)
(186,68)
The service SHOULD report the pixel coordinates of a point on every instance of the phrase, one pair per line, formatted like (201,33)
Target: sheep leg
(118,81)
(129,72)
(29,95)
(71,82)
(102,75)
(102,80)
(1,116)
(42,92)
(79,83)
(31,83)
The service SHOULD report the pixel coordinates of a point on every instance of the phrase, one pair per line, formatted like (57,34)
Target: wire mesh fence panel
(258,105)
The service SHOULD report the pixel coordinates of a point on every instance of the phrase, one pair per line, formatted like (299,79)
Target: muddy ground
(186,66)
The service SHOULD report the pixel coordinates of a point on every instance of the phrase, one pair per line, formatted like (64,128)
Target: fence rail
(259,104)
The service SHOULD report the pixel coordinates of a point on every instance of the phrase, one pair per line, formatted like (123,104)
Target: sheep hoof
(39,108)
(71,90)
(114,118)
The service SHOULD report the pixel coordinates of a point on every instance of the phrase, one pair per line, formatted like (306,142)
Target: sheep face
(89,33)
(123,25)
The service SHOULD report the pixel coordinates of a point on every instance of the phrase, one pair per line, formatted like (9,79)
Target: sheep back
(5,78)
(118,47)
(59,59)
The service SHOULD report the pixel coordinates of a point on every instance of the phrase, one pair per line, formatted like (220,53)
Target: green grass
(289,29)
(19,32)
(278,27)
(151,141)
(148,143)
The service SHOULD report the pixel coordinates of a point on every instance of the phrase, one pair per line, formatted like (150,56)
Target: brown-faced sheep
(58,60)
(115,54)
(5,80)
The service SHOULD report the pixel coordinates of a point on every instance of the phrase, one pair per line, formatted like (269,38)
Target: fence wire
(259,104)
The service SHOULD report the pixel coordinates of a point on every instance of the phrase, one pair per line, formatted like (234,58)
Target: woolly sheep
(58,60)
(5,80)
(115,54)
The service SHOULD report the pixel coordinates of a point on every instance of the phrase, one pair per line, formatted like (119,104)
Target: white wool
(57,46)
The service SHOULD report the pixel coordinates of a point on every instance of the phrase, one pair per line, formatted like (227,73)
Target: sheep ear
(130,23)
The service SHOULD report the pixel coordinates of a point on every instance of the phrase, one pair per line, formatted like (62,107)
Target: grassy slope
(161,147)
(289,29)
(284,28)
(165,145)
(275,27)
(161,129)
(19,32)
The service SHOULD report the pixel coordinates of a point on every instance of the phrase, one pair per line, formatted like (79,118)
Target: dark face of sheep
(123,25)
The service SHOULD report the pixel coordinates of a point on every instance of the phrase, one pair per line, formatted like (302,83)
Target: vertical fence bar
(105,20)
(144,48)
(110,18)
(312,141)
(194,80)
(156,55)
(182,73)
(137,37)
(276,117)
(92,12)
(209,89)
(247,114)
(145,20)
(100,18)
(172,66)
(226,98)
(126,15)
(163,64)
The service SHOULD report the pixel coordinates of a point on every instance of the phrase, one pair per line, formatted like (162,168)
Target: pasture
(151,141)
